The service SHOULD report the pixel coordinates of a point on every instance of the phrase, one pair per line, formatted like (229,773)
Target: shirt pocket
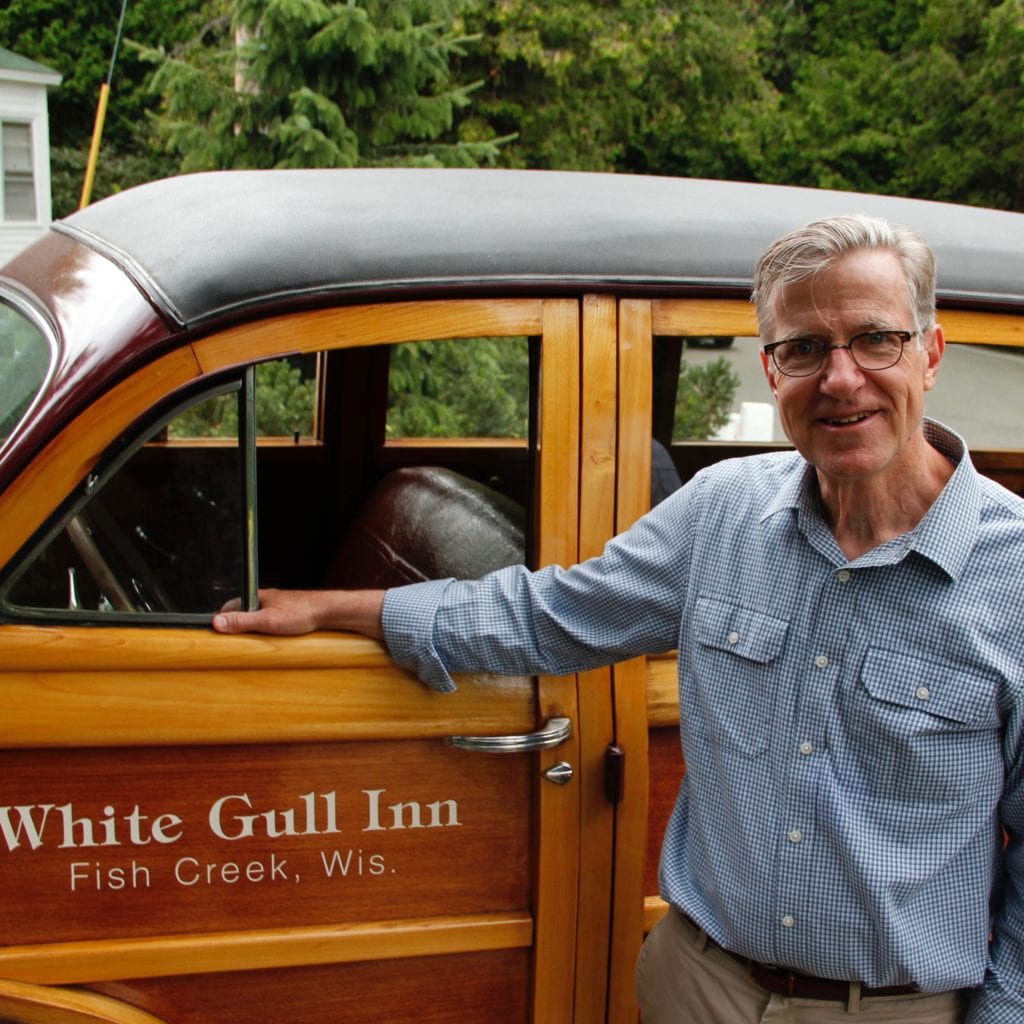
(733,653)
(930,730)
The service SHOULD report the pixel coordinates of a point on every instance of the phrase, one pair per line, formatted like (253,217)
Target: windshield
(25,355)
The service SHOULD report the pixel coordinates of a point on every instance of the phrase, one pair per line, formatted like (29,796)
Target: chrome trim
(551,734)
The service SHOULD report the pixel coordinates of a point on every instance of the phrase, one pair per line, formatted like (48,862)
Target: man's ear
(935,346)
(766,364)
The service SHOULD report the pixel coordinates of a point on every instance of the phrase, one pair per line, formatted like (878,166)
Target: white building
(25,205)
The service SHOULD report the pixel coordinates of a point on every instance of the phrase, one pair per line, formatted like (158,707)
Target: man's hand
(292,612)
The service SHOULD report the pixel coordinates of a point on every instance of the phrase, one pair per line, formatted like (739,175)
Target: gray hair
(812,249)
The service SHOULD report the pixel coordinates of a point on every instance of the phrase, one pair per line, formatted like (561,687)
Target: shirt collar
(949,529)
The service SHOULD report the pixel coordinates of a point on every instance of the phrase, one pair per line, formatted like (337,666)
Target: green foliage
(902,97)
(704,399)
(466,388)
(116,170)
(284,406)
(308,83)
(636,85)
(913,97)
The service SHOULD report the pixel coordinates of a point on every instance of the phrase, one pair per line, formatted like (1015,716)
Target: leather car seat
(428,522)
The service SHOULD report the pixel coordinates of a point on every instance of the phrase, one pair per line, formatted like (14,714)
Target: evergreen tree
(904,97)
(635,85)
(309,83)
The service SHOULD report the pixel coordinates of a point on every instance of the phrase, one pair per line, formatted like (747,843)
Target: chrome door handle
(553,732)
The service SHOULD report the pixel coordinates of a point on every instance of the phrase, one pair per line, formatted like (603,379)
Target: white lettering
(276,822)
(244,821)
(408,814)
(26,826)
(82,831)
(93,875)
(354,861)
(189,872)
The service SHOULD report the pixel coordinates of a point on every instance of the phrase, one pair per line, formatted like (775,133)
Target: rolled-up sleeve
(408,621)
(552,621)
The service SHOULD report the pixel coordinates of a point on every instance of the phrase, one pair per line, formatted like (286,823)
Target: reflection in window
(161,535)
(475,387)
(25,356)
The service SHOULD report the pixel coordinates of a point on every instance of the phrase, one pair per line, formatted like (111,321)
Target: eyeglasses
(872,350)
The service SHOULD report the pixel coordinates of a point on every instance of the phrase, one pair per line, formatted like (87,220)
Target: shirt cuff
(407,619)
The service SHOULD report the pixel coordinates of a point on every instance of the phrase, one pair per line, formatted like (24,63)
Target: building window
(16,161)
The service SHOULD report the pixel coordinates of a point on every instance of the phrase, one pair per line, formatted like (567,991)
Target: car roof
(209,245)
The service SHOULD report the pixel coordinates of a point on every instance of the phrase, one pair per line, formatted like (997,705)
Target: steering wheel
(133,586)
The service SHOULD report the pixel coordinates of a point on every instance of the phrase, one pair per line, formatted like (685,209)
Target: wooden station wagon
(203,829)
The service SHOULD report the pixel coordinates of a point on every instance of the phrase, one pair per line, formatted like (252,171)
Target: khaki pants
(682,980)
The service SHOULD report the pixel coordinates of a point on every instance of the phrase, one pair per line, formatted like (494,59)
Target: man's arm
(1001,999)
(292,612)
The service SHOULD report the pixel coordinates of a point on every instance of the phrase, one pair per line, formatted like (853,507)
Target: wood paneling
(144,842)
(596,524)
(558,841)
(216,696)
(486,986)
(666,771)
(356,326)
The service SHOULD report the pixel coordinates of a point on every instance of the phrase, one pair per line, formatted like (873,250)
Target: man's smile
(845,421)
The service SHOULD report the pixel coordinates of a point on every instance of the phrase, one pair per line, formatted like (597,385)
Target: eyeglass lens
(873,350)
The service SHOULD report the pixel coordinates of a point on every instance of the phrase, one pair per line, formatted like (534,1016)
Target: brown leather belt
(806,986)
(784,982)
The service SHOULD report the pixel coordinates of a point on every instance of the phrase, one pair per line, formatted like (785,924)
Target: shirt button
(922,693)
(821,661)
(788,920)
(794,835)
(733,637)
(844,575)
(806,747)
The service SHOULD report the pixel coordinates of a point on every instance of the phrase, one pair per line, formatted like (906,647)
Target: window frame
(243,384)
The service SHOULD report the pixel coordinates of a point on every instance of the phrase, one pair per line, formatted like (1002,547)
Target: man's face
(851,423)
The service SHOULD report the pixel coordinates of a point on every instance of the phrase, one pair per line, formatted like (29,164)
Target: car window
(472,387)
(25,356)
(158,532)
(287,393)
(448,476)
(711,388)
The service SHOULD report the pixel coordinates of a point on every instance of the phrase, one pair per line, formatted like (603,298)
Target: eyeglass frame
(824,349)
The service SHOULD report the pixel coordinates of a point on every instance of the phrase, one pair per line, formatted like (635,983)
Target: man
(851,671)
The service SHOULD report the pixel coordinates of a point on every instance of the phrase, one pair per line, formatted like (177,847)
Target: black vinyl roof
(213,244)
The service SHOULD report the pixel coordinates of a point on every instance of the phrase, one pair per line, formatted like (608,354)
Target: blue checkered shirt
(853,730)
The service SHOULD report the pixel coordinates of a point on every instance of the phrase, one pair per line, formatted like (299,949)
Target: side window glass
(287,393)
(711,388)
(472,387)
(25,357)
(160,534)
(451,482)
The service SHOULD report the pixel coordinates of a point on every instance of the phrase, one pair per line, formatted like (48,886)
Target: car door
(231,829)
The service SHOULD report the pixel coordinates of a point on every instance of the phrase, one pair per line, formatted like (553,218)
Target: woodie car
(228,379)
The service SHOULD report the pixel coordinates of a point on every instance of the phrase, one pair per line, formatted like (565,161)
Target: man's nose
(840,372)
